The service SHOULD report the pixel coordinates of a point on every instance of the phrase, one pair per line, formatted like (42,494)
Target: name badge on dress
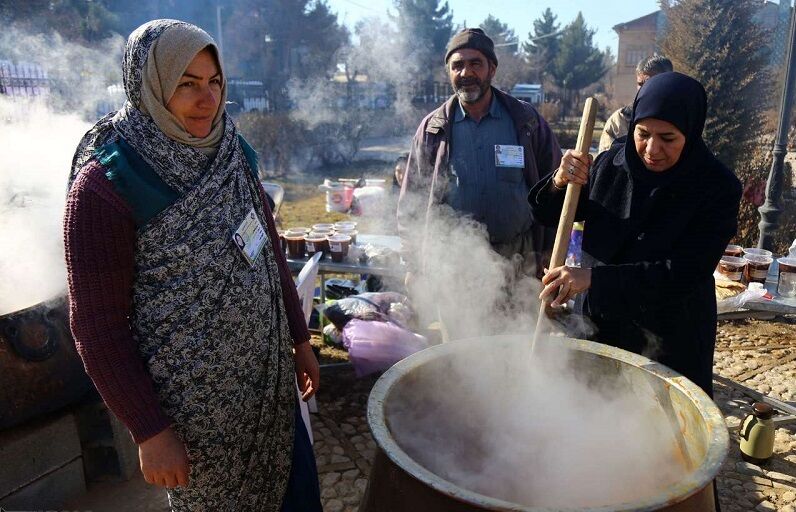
(509,156)
(250,237)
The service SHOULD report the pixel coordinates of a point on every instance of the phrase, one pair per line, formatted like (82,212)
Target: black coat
(652,289)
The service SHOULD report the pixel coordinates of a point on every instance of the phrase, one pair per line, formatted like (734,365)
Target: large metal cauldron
(398,483)
(40,370)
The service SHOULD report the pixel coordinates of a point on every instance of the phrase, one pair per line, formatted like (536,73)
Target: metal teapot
(757,434)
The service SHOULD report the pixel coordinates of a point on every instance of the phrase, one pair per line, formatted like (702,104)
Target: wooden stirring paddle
(585,135)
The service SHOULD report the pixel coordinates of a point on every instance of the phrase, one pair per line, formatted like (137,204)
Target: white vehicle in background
(532,93)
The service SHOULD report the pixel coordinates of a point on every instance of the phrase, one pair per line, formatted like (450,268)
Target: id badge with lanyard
(250,237)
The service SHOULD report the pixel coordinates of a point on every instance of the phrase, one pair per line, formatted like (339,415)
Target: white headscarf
(168,58)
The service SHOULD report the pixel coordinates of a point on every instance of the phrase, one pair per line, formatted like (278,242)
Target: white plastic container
(338,196)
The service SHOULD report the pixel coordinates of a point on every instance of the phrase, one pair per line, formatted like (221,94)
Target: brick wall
(636,41)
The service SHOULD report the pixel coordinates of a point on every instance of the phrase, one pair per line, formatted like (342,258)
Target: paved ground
(761,355)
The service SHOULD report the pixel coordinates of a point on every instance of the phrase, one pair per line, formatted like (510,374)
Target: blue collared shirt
(495,196)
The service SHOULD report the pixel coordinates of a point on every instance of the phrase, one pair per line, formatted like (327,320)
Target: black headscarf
(677,99)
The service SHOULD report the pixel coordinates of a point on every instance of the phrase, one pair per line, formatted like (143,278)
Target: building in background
(640,38)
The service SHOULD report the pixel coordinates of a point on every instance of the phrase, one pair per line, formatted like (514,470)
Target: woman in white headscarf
(194,342)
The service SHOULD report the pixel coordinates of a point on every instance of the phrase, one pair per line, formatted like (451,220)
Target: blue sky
(518,14)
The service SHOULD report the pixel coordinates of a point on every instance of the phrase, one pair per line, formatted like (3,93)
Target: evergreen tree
(82,21)
(503,37)
(541,48)
(512,68)
(718,43)
(425,27)
(323,39)
(199,12)
(277,40)
(579,63)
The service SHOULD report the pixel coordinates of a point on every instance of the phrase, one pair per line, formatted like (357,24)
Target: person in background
(398,172)
(617,124)
(480,153)
(193,341)
(659,211)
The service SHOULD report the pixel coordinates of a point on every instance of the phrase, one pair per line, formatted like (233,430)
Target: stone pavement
(764,359)
(343,446)
(760,355)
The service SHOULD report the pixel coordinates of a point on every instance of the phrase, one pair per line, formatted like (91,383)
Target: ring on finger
(571,170)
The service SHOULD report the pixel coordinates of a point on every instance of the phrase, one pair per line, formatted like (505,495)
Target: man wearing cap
(480,153)
(616,125)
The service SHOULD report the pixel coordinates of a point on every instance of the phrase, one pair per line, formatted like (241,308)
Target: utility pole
(771,209)
(219,31)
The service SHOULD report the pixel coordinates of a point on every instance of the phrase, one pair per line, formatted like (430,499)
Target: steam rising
(381,57)
(78,75)
(37,153)
(461,280)
(535,431)
(38,136)
(551,433)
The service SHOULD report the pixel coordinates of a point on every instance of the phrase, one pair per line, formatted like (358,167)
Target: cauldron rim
(673,494)
(54,301)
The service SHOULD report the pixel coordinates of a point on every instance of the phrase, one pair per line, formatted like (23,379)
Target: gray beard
(469,97)
(472,96)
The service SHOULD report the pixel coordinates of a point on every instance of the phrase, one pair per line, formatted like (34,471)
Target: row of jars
(332,239)
(751,265)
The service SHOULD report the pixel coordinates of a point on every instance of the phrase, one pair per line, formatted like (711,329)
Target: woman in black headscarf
(659,209)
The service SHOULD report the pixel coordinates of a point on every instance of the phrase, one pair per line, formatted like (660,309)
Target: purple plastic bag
(374,346)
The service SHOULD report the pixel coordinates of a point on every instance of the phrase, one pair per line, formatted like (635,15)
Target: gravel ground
(758,354)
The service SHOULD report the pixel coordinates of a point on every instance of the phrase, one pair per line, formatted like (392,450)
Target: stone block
(747,468)
(333,505)
(782,477)
(766,506)
(108,447)
(35,449)
(50,491)
(126,449)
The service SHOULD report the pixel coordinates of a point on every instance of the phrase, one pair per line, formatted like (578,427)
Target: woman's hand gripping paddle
(559,256)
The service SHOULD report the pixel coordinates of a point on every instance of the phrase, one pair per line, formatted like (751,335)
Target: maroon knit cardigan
(99,238)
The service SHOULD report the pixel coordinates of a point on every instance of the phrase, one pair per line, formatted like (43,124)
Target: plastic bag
(332,336)
(383,300)
(340,288)
(375,346)
(381,256)
(401,313)
(367,306)
(370,200)
(753,292)
(344,310)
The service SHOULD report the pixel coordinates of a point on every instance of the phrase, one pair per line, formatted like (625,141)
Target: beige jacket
(616,126)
